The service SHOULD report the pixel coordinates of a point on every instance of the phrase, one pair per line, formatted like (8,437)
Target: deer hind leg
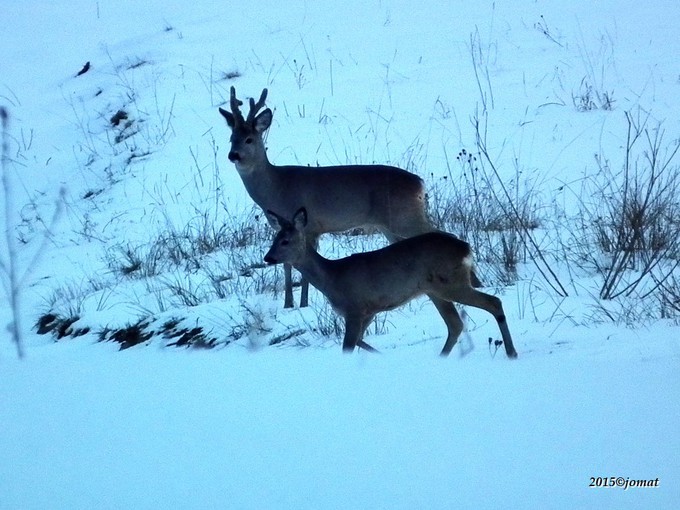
(453,322)
(471,297)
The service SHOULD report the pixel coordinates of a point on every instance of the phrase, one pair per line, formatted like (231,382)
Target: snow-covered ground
(312,429)
(298,425)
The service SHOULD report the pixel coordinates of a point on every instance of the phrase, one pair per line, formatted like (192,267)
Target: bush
(634,219)
(627,230)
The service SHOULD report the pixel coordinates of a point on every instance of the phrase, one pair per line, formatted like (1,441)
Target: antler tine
(235,103)
(254,107)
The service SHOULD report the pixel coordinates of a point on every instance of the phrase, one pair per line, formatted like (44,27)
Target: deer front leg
(304,282)
(363,345)
(454,324)
(288,286)
(304,292)
(355,325)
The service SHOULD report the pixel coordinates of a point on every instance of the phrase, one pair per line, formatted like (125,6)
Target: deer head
(289,244)
(247,146)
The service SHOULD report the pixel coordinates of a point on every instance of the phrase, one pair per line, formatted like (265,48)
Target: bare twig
(9,267)
(478,61)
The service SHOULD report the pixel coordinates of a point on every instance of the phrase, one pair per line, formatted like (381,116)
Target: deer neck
(260,179)
(318,271)
(258,163)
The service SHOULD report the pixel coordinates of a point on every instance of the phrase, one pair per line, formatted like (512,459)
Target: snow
(298,425)
(300,429)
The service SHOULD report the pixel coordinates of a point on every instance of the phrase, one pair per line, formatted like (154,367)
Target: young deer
(361,285)
(338,198)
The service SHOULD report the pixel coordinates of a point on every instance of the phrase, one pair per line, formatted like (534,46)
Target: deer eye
(285,242)
(249,140)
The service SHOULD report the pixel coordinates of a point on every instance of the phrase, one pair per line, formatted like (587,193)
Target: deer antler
(235,103)
(254,107)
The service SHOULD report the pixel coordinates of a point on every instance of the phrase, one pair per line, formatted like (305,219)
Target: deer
(364,284)
(338,198)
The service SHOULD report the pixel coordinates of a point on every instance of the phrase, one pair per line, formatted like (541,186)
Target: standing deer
(361,285)
(338,198)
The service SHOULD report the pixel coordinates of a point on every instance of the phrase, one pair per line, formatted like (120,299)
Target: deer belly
(390,301)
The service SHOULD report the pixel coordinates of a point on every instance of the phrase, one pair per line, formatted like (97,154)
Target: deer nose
(269,259)
(234,156)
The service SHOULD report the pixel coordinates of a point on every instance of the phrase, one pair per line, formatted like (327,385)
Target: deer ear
(228,116)
(263,121)
(274,220)
(300,218)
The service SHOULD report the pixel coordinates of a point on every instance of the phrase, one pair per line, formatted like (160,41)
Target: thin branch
(538,259)
(10,267)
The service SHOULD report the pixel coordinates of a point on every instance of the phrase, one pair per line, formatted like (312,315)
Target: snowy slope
(299,425)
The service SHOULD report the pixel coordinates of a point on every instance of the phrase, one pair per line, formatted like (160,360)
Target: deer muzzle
(234,156)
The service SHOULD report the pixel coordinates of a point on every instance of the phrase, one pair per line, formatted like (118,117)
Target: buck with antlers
(361,285)
(338,198)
